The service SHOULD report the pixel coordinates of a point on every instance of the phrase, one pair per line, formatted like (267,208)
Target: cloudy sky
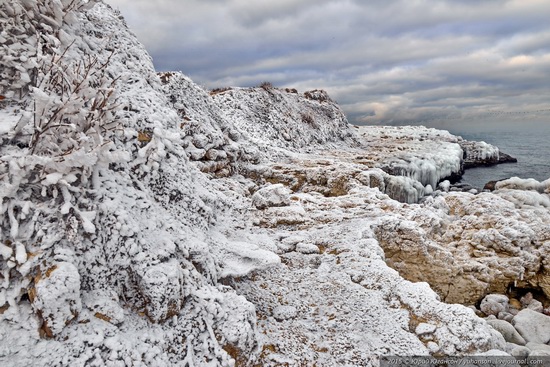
(437,62)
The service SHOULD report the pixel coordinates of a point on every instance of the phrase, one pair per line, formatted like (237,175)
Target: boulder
(533,326)
(538,349)
(281,313)
(507,330)
(493,304)
(271,196)
(518,351)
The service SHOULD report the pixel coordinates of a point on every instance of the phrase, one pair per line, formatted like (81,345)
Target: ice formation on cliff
(145,221)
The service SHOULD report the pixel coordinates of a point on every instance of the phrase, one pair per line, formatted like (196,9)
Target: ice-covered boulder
(479,153)
(425,155)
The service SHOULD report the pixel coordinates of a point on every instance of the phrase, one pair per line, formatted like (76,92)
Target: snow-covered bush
(98,223)
(50,170)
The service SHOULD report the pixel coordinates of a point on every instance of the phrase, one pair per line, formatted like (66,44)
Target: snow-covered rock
(529,184)
(493,304)
(104,203)
(467,246)
(116,247)
(208,136)
(270,196)
(477,153)
(285,119)
(425,155)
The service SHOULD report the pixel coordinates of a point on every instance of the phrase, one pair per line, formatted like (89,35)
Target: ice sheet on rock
(422,154)
(527,184)
(479,152)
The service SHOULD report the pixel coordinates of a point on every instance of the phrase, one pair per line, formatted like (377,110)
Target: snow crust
(162,224)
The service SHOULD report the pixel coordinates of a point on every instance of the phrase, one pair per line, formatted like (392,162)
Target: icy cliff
(146,221)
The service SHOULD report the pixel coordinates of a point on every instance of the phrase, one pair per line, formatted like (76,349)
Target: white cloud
(390,61)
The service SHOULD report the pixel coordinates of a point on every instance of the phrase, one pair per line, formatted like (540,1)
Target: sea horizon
(528,145)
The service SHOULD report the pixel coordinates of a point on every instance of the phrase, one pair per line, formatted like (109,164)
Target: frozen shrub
(307,118)
(266,86)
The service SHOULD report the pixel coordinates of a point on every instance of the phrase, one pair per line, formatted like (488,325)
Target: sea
(529,144)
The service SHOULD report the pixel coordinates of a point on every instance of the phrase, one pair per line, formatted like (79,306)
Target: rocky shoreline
(524,323)
(165,224)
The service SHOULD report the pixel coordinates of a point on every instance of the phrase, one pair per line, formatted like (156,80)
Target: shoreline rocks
(527,333)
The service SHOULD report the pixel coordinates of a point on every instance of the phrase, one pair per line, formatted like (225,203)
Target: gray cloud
(385,62)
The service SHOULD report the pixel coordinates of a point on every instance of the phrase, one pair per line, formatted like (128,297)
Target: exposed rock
(493,304)
(506,316)
(515,304)
(508,332)
(538,349)
(526,299)
(533,326)
(536,305)
(517,351)
(506,158)
(471,246)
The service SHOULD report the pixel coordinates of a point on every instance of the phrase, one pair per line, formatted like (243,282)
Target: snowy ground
(252,226)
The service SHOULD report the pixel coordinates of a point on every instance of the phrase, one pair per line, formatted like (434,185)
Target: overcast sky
(438,62)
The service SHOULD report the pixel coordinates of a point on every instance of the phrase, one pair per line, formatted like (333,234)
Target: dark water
(531,147)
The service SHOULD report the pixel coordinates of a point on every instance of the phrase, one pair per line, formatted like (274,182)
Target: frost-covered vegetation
(146,221)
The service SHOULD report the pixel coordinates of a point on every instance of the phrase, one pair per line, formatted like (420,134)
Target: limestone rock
(515,304)
(518,351)
(527,299)
(506,316)
(536,305)
(281,313)
(471,246)
(533,326)
(493,304)
(538,349)
(508,332)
